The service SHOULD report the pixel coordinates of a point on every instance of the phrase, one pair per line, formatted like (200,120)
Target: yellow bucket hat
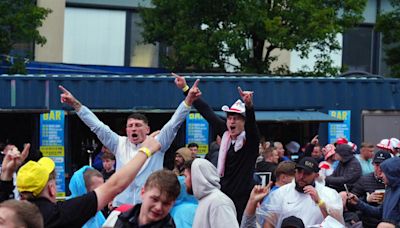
(33,176)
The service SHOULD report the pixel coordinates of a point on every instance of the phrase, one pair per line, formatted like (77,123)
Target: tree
(389,24)
(18,24)
(205,34)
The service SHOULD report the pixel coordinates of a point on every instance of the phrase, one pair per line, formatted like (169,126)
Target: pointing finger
(64,90)
(175,75)
(25,151)
(196,83)
(240,91)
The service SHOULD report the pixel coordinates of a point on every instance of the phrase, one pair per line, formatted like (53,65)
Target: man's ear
(52,188)
(142,191)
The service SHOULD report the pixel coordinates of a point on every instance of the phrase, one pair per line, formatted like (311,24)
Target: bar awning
(291,116)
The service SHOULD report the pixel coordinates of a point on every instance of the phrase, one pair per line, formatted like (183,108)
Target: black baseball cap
(292,222)
(381,156)
(308,164)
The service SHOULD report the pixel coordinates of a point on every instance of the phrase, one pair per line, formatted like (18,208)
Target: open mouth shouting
(135,136)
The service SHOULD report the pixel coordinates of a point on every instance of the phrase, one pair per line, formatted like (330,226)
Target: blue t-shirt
(366,165)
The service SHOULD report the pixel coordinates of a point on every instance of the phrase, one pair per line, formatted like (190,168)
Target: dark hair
(138,116)
(26,213)
(166,181)
(88,174)
(193,145)
(107,155)
(2,146)
(235,114)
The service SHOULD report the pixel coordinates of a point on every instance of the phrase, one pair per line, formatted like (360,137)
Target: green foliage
(205,34)
(389,24)
(18,24)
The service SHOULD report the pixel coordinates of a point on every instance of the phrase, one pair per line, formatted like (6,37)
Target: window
(357,49)
(94,36)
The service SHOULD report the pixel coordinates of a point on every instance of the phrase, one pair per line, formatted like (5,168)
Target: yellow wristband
(186,88)
(320,202)
(186,105)
(146,151)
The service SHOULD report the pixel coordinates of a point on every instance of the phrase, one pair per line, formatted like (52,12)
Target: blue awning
(291,116)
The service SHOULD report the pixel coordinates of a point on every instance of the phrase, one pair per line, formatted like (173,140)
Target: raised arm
(202,107)
(310,146)
(169,130)
(256,196)
(103,132)
(12,160)
(124,176)
(251,128)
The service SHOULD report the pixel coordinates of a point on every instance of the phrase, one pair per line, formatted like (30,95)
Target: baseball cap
(237,107)
(33,176)
(292,221)
(381,156)
(341,140)
(185,153)
(293,147)
(309,164)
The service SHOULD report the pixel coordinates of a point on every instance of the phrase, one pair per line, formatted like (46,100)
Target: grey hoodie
(215,208)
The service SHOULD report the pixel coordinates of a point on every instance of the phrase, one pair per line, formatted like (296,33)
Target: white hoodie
(215,208)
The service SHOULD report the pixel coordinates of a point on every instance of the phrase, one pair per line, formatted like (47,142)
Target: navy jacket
(390,209)
(348,171)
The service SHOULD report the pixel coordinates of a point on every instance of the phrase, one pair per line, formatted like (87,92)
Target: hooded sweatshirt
(390,209)
(215,208)
(347,172)
(391,203)
(78,188)
(184,208)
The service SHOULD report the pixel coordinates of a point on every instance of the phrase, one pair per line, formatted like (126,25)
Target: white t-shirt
(286,201)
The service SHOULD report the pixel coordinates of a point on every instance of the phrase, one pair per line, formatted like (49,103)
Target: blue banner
(337,130)
(197,132)
(52,144)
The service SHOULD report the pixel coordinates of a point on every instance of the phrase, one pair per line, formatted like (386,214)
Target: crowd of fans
(244,181)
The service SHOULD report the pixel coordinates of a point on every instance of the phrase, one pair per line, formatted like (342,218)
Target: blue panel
(30,93)
(150,92)
(5,92)
(291,116)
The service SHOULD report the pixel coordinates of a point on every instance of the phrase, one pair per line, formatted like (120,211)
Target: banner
(197,132)
(52,144)
(336,130)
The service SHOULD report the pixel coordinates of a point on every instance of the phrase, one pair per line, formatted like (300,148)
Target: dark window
(357,49)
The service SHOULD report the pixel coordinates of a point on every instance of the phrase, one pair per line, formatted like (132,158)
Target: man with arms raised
(239,145)
(126,147)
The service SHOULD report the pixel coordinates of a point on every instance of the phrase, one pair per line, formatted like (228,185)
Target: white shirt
(287,201)
(124,150)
